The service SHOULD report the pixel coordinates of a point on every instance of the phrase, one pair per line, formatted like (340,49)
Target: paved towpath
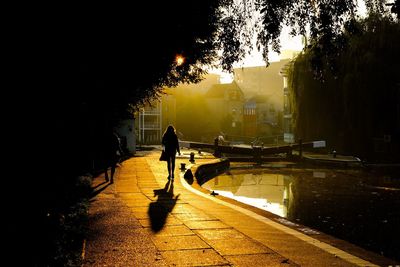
(145,220)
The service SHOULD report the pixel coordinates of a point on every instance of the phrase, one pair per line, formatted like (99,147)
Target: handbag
(163,156)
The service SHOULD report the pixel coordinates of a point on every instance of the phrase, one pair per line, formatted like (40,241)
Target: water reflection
(351,205)
(262,190)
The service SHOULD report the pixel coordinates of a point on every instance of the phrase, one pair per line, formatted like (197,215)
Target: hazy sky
(287,43)
(255,58)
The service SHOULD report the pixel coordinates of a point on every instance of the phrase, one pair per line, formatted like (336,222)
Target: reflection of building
(288,134)
(266,191)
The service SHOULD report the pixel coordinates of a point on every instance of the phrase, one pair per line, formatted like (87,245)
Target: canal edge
(308,239)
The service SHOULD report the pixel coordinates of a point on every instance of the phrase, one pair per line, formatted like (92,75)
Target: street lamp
(179,59)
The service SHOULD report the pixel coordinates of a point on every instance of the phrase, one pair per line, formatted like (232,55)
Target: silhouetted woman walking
(171,144)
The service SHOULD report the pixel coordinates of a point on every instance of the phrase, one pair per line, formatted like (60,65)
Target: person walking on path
(171,146)
(114,151)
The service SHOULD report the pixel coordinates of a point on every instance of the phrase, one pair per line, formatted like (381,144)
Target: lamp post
(179,59)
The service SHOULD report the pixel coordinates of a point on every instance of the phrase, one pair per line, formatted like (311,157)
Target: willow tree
(357,102)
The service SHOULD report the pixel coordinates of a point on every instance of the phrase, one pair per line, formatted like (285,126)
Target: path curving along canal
(354,205)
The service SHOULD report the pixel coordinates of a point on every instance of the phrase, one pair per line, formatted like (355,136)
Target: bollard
(191,157)
(257,154)
(216,149)
(183,166)
(334,153)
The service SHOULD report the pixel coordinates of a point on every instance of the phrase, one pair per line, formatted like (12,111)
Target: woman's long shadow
(98,189)
(159,210)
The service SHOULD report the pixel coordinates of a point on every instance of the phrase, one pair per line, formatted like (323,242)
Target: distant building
(154,118)
(250,119)
(288,134)
(262,87)
(150,123)
(225,101)
(262,80)
(260,117)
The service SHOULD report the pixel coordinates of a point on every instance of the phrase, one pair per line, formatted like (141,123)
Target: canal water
(353,205)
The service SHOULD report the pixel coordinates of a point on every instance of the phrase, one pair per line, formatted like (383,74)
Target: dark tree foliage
(320,21)
(118,57)
(109,59)
(79,68)
(353,107)
(76,69)
(94,64)
(264,19)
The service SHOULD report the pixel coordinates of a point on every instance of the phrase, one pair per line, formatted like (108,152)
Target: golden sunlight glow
(179,59)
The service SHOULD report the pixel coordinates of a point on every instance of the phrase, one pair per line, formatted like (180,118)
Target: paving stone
(171,230)
(238,246)
(142,208)
(105,196)
(127,187)
(148,185)
(169,221)
(193,257)
(194,217)
(185,208)
(179,242)
(129,196)
(138,203)
(144,173)
(140,214)
(225,234)
(205,224)
(268,259)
